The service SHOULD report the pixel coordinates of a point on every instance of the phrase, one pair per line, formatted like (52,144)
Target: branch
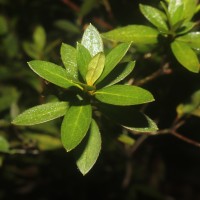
(161,71)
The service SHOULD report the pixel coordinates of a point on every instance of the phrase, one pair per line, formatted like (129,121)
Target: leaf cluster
(173,21)
(94,77)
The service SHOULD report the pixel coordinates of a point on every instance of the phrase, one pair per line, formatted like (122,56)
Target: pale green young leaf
(39,37)
(113,58)
(176,18)
(42,113)
(138,34)
(129,117)
(126,139)
(88,151)
(185,56)
(192,39)
(83,58)
(175,10)
(155,16)
(52,73)
(68,56)
(95,68)
(118,74)
(123,95)
(4,145)
(75,125)
(92,41)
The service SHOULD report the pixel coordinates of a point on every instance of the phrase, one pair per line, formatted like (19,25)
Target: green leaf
(123,95)
(129,117)
(88,151)
(39,37)
(52,73)
(124,138)
(138,34)
(191,106)
(186,27)
(86,7)
(155,16)
(95,68)
(3,25)
(4,145)
(189,9)
(175,10)
(92,40)
(67,26)
(31,50)
(113,58)
(9,95)
(42,113)
(185,56)
(44,142)
(192,39)
(118,73)
(68,56)
(75,125)
(83,58)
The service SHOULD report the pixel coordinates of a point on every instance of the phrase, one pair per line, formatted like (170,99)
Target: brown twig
(178,135)
(97,20)
(161,71)
(129,165)
(71,5)
(108,8)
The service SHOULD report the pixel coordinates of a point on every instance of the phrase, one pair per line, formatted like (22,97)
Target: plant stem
(161,71)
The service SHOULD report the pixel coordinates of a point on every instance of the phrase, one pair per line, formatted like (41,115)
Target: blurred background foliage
(33,163)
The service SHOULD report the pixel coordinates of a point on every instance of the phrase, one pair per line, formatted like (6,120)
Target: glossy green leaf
(138,34)
(39,37)
(52,73)
(192,39)
(155,16)
(44,142)
(68,56)
(189,9)
(124,95)
(118,74)
(42,113)
(113,58)
(83,58)
(95,68)
(88,151)
(185,56)
(4,145)
(92,40)
(175,10)
(75,125)
(129,117)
